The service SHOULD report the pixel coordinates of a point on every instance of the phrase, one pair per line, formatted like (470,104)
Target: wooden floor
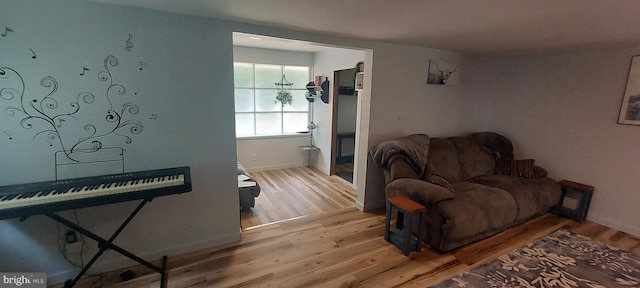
(344,167)
(344,248)
(340,247)
(296,192)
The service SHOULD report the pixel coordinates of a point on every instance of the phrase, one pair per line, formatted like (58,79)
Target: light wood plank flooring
(296,192)
(344,248)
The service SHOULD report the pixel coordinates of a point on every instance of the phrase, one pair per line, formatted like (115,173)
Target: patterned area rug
(562,259)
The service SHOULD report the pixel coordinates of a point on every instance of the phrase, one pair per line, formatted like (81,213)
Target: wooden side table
(575,200)
(402,236)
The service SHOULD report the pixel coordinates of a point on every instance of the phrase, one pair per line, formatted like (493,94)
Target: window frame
(282,112)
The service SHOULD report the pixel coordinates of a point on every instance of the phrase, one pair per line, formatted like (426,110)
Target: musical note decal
(135,93)
(8,132)
(142,65)
(60,123)
(128,44)
(83,70)
(154,116)
(34,54)
(6,31)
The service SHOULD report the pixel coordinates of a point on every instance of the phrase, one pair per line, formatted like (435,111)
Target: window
(257,111)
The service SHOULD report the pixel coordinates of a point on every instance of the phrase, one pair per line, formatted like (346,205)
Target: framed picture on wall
(630,107)
(443,72)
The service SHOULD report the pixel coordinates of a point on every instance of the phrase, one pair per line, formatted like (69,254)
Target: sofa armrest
(418,190)
(539,172)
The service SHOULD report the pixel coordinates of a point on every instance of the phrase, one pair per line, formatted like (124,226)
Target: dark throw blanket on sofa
(496,144)
(413,149)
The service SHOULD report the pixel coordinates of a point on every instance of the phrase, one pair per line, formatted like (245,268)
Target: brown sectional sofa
(455,179)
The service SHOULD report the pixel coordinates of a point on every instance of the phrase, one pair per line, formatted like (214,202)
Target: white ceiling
(261,41)
(482,26)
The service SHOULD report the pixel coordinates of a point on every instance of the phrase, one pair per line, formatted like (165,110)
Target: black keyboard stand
(108,244)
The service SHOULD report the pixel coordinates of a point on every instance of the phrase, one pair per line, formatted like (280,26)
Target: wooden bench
(402,236)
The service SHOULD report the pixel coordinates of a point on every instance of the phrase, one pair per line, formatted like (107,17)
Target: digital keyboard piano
(47,198)
(24,200)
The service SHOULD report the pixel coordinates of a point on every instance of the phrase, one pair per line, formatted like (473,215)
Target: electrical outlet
(73,248)
(253,157)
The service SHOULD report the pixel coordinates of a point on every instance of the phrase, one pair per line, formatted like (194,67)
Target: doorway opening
(344,122)
(291,186)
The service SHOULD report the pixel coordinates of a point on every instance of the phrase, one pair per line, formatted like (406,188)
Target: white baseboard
(322,169)
(359,206)
(281,166)
(272,167)
(151,256)
(635,231)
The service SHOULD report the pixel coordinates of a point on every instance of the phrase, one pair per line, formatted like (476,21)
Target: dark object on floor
(126,275)
(346,175)
(247,194)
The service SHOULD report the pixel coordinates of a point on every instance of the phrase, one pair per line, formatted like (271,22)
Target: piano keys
(24,200)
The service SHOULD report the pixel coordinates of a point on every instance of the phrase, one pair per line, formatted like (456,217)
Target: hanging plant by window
(284,97)
(284,91)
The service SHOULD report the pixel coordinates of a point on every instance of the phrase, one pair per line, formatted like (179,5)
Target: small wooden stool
(401,236)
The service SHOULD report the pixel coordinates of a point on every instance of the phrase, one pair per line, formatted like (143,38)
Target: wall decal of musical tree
(48,118)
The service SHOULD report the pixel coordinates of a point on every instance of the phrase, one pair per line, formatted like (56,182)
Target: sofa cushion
(433,176)
(532,196)
(474,209)
(443,155)
(474,160)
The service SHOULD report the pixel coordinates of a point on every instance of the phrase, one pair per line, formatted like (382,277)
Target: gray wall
(185,82)
(326,62)
(562,111)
